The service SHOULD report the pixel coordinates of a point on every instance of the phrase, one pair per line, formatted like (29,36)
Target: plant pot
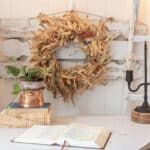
(32,85)
(32,94)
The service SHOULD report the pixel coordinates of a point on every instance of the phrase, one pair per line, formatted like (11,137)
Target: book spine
(30,110)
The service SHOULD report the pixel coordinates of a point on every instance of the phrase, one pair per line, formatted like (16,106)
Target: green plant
(16,89)
(25,74)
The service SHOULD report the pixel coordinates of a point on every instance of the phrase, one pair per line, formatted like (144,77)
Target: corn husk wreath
(56,32)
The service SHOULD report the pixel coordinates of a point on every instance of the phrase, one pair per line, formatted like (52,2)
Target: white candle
(129,61)
(135,5)
(129,64)
(71,5)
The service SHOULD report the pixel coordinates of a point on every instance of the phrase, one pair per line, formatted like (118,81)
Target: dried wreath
(56,32)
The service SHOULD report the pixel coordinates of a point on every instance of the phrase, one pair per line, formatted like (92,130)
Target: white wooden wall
(109,99)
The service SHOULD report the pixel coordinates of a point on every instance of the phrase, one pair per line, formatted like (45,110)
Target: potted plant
(30,86)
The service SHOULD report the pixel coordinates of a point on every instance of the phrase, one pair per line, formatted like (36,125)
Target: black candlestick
(144,108)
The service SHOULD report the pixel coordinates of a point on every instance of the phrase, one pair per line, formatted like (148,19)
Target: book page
(40,134)
(74,135)
(81,135)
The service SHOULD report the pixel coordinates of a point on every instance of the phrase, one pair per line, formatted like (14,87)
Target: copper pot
(32,94)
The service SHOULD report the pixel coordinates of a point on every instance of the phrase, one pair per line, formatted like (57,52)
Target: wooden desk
(126,135)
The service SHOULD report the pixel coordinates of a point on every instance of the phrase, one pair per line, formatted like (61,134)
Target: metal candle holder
(145,107)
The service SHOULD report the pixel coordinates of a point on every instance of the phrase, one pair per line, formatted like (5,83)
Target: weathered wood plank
(23,28)
(72,55)
(116,68)
(118,50)
(141,38)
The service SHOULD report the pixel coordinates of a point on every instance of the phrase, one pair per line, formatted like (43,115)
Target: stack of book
(14,116)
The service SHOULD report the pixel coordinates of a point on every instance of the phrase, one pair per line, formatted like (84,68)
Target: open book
(76,135)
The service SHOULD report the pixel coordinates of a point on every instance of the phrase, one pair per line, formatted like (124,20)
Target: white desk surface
(126,135)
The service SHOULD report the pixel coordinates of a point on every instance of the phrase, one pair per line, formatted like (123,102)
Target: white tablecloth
(126,135)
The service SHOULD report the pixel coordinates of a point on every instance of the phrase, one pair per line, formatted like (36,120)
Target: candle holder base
(140,117)
(142,109)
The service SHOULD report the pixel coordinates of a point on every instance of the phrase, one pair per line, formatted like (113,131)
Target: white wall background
(109,99)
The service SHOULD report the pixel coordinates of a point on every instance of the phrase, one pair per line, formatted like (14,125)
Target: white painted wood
(14,48)
(84,103)
(99,9)
(71,5)
(141,38)
(102,7)
(119,9)
(56,6)
(126,135)
(22,27)
(5,9)
(118,50)
(144,12)
(137,97)
(31,8)
(100,102)
(113,98)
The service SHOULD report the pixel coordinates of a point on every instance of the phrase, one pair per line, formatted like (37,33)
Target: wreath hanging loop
(57,32)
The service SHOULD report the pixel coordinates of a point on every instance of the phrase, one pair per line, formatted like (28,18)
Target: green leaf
(26,78)
(16,89)
(13,70)
(33,72)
